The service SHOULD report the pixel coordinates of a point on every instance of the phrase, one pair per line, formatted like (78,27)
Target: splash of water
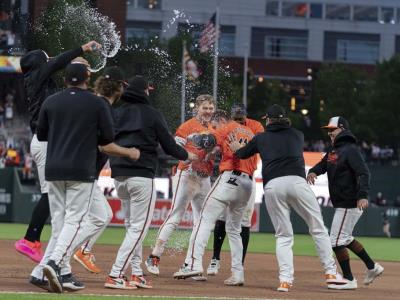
(79,24)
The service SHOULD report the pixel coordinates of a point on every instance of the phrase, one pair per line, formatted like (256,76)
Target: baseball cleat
(152,263)
(87,260)
(140,282)
(370,275)
(120,282)
(234,281)
(335,279)
(213,267)
(186,272)
(31,249)
(70,283)
(350,285)
(199,278)
(40,283)
(284,286)
(52,272)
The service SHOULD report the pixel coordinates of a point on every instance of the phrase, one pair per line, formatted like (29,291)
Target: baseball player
(285,187)
(238,114)
(140,125)
(348,179)
(230,191)
(191,182)
(71,167)
(38,70)
(109,88)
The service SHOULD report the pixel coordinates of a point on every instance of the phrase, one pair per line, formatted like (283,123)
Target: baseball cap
(137,85)
(275,111)
(115,74)
(76,73)
(337,122)
(238,111)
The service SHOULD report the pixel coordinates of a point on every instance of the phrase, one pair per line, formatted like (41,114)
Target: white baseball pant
(343,224)
(248,212)
(100,215)
(282,194)
(188,188)
(69,204)
(94,223)
(39,150)
(138,196)
(232,192)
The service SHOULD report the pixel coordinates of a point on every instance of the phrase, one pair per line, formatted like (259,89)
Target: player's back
(255,126)
(229,162)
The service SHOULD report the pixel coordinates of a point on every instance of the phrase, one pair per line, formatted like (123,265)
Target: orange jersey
(255,126)
(229,162)
(193,126)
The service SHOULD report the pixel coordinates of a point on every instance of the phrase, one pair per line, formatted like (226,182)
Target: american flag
(208,35)
(190,66)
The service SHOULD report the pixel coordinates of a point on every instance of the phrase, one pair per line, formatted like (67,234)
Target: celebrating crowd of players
(76,131)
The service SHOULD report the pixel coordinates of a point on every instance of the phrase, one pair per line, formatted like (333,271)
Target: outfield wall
(17,202)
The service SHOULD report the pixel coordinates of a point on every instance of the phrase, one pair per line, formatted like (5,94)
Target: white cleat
(350,285)
(152,265)
(213,267)
(335,279)
(199,278)
(234,281)
(370,275)
(186,272)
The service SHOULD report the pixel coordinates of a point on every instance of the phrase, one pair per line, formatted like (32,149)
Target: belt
(238,173)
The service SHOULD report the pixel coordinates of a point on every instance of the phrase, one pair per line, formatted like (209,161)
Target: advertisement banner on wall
(161,211)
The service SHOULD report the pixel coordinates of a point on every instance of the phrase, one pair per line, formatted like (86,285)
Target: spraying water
(68,25)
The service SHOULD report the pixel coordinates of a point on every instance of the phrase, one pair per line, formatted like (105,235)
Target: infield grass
(379,248)
(31,296)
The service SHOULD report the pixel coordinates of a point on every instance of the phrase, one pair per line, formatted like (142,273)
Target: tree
(384,103)
(340,90)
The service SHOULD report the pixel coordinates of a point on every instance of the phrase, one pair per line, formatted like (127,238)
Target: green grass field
(378,248)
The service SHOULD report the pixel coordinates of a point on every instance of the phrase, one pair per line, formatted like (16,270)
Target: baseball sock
(39,216)
(343,258)
(245,234)
(219,236)
(158,249)
(359,250)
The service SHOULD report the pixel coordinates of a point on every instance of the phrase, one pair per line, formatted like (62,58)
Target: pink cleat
(31,249)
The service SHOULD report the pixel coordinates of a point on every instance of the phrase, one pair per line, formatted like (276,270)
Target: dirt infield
(261,278)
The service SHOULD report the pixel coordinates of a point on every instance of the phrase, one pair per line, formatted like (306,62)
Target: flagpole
(245,70)
(183,91)
(216,50)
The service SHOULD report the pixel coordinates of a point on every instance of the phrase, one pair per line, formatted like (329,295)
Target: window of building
(297,9)
(316,10)
(146,4)
(337,12)
(366,52)
(398,15)
(272,8)
(365,13)
(387,15)
(227,41)
(286,47)
(142,32)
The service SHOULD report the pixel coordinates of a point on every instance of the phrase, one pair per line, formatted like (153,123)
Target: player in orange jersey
(230,191)
(191,183)
(238,114)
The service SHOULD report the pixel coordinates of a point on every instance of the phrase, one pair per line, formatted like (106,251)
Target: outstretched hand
(233,143)
(311,178)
